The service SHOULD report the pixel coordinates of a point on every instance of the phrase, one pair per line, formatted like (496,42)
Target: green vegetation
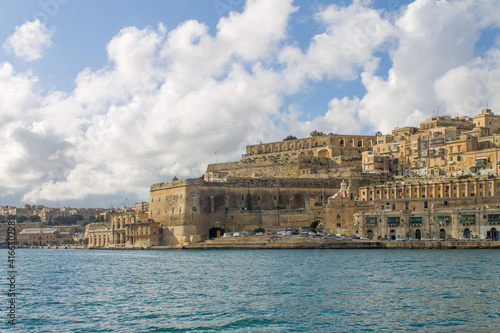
(316,133)
(465,176)
(66,220)
(259,229)
(290,137)
(314,226)
(35,218)
(11,217)
(21,219)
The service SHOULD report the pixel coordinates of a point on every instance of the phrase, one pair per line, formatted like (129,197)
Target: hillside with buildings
(436,180)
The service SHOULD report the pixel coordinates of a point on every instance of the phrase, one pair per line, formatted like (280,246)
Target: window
(194,209)
(242,197)
(459,158)
(193,195)
(339,225)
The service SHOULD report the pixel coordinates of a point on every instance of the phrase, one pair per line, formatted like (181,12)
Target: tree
(21,219)
(259,229)
(11,217)
(290,137)
(2,219)
(35,218)
(313,226)
(378,133)
(316,133)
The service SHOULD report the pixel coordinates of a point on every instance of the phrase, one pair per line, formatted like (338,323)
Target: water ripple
(257,291)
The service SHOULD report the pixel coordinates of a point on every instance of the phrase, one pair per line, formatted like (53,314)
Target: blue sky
(101,99)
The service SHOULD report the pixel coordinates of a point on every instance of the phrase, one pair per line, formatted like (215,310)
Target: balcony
(468,219)
(393,220)
(415,220)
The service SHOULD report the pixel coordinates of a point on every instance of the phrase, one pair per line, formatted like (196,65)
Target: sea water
(62,290)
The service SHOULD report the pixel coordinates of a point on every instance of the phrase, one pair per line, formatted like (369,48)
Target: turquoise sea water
(255,291)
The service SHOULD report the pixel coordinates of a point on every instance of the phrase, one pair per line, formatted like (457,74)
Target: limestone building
(436,180)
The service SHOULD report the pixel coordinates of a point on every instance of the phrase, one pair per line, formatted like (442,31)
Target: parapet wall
(274,167)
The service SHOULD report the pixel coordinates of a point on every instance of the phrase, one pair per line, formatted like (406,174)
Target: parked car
(363,238)
(260,234)
(413,239)
(354,236)
(304,234)
(437,238)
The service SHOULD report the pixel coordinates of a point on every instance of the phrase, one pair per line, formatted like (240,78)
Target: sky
(101,99)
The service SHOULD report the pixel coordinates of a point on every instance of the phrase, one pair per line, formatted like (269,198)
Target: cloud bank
(168,100)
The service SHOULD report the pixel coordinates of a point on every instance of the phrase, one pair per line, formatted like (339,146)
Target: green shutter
(415,220)
(393,220)
(468,219)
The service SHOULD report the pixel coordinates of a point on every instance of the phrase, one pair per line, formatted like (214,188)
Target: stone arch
(310,153)
(360,143)
(369,234)
(392,234)
(216,232)
(442,234)
(494,234)
(291,146)
(268,149)
(323,153)
(418,234)
(314,143)
(351,143)
(299,145)
(302,153)
(466,233)
(261,150)
(283,146)
(276,147)
(342,143)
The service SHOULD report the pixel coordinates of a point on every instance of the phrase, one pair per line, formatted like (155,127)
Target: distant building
(41,236)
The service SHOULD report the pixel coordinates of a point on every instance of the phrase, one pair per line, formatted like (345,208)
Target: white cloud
(432,39)
(167,100)
(29,40)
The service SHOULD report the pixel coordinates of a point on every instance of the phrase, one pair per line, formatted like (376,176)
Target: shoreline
(257,243)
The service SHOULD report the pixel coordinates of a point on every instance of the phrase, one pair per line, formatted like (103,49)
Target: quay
(277,242)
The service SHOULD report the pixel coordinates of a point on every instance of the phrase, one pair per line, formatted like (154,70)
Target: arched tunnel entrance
(215,233)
